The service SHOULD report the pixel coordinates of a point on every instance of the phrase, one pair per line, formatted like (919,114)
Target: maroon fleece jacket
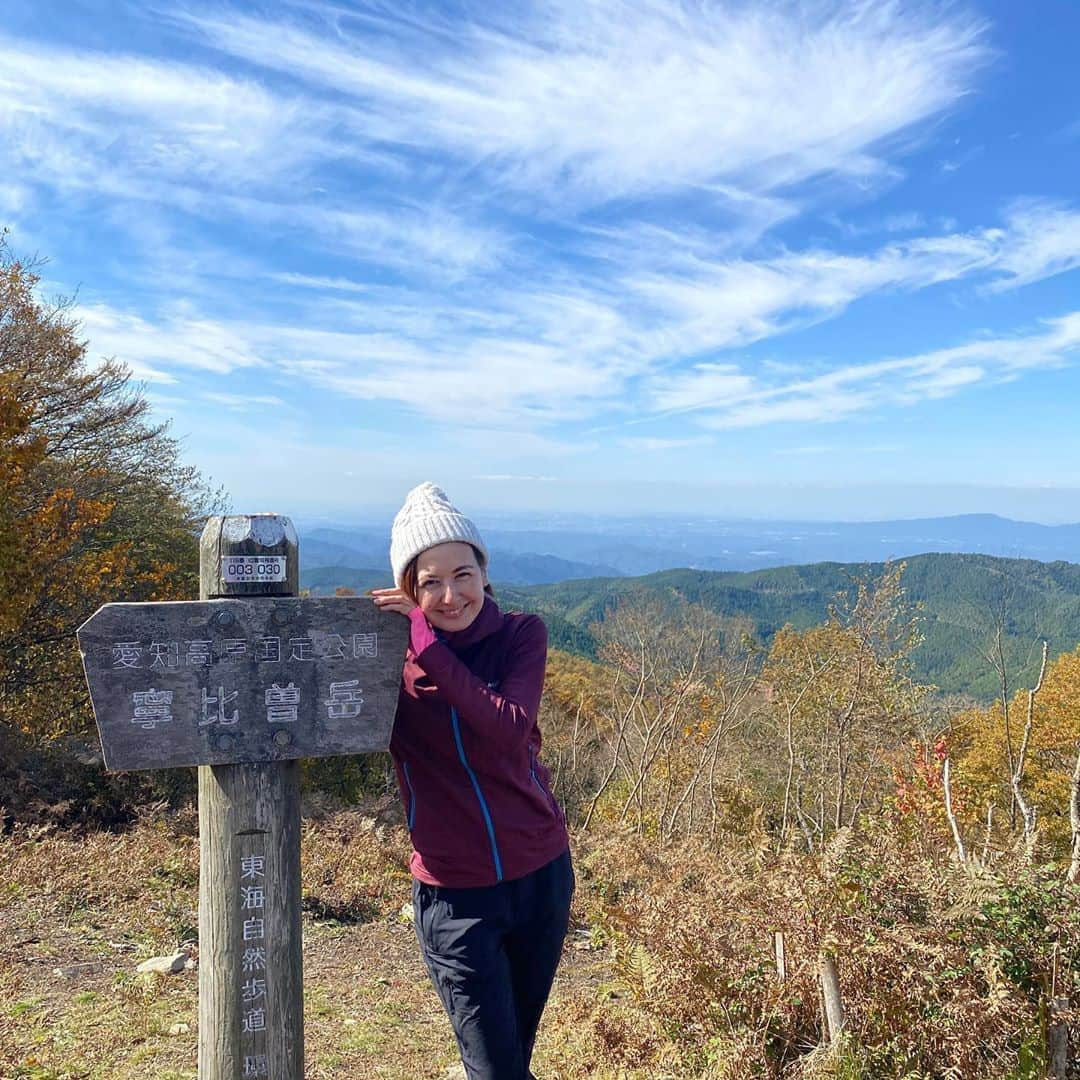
(465,746)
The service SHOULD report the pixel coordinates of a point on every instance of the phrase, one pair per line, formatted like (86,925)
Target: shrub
(942,966)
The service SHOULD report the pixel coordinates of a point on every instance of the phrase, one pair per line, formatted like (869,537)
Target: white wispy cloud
(655,444)
(726,303)
(179,339)
(1042,239)
(322,284)
(14,198)
(686,301)
(421,241)
(576,346)
(520,447)
(227,149)
(242,402)
(704,385)
(64,111)
(577,350)
(623,98)
(859,388)
(515,94)
(483,383)
(909,221)
(411,238)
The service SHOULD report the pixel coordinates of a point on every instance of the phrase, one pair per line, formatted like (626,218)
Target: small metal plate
(249,568)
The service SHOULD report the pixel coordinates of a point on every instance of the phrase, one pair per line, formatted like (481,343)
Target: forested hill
(963,599)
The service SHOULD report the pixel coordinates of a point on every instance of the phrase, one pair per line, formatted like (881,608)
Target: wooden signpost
(226,681)
(243,683)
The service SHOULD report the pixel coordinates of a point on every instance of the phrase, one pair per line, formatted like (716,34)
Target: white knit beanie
(428,518)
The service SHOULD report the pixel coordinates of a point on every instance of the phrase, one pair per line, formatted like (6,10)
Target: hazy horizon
(377,515)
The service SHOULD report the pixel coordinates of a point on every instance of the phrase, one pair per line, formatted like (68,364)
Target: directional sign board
(221,682)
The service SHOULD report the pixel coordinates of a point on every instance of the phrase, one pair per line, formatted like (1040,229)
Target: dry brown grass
(668,972)
(98,903)
(946,970)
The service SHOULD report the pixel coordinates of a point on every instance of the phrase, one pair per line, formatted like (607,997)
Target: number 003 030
(253,567)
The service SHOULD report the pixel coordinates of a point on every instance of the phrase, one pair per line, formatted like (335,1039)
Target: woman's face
(449,585)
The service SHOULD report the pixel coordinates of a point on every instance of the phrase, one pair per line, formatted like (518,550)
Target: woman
(491,862)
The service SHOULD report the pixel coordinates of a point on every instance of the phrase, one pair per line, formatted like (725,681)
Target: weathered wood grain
(251,1001)
(258,679)
(242,683)
(248,813)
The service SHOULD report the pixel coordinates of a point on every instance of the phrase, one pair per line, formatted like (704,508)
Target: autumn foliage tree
(1051,776)
(842,702)
(95,504)
(647,731)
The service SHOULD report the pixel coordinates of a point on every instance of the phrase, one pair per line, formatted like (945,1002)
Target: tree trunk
(946,783)
(1074,820)
(1027,811)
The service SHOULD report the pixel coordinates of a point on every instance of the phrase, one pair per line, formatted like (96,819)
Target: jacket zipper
(536,780)
(479,794)
(412,795)
(532,770)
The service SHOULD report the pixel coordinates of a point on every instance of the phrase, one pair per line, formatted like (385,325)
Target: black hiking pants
(492,954)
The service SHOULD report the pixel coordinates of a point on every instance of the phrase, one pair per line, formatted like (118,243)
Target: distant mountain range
(961,596)
(331,557)
(570,546)
(966,572)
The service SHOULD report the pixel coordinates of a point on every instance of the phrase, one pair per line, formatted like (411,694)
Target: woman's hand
(392,600)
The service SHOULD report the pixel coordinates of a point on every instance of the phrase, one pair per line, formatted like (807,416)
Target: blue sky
(779,260)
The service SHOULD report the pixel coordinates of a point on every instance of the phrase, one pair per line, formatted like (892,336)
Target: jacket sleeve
(500,717)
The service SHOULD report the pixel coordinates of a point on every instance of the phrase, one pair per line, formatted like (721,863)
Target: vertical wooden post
(1057,1039)
(780,952)
(251,1021)
(830,992)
